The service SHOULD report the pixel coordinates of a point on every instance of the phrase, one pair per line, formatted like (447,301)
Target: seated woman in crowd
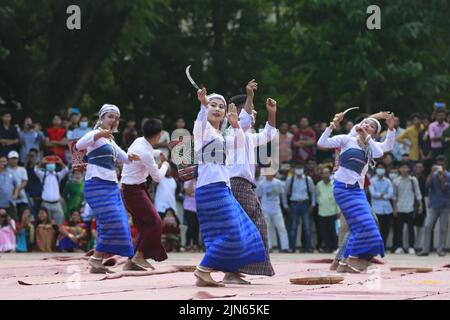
(72,234)
(25,232)
(46,231)
(171,236)
(7,232)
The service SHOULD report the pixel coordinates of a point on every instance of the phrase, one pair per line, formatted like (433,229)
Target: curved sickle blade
(188,75)
(350,109)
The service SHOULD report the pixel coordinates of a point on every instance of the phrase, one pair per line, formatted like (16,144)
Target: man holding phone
(51,179)
(438,182)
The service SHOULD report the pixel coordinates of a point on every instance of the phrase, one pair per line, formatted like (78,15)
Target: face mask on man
(83,124)
(299,172)
(393,175)
(50,167)
(380,171)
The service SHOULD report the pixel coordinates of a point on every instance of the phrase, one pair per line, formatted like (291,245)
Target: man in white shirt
(51,196)
(20,173)
(271,191)
(137,199)
(165,195)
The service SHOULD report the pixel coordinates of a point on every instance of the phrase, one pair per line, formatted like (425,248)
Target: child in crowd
(25,232)
(46,231)
(171,236)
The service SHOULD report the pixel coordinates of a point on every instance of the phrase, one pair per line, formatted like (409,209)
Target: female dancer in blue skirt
(387,145)
(356,152)
(101,188)
(231,239)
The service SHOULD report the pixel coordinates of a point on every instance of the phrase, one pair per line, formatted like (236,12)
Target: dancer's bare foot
(204,279)
(234,278)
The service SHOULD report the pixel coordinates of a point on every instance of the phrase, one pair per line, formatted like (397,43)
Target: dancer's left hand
(390,121)
(271,105)
(233,117)
(134,157)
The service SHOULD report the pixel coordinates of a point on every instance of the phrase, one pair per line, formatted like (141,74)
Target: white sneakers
(400,251)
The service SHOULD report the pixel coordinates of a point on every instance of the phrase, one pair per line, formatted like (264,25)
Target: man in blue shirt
(9,190)
(438,183)
(30,138)
(301,193)
(381,192)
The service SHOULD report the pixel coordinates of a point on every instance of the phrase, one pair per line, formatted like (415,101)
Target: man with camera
(438,182)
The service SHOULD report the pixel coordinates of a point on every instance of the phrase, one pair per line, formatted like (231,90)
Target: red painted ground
(52,279)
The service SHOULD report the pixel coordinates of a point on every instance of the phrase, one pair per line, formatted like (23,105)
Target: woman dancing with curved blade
(242,175)
(231,239)
(387,145)
(356,153)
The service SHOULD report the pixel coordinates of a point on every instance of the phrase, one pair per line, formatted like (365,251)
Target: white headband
(217,96)
(108,108)
(104,110)
(376,122)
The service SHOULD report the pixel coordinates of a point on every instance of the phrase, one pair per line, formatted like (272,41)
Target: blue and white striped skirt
(365,240)
(113,230)
(231,238)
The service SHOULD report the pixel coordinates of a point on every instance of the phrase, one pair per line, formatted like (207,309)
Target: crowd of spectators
(42,207)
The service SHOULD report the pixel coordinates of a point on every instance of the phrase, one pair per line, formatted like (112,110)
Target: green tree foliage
(314,57)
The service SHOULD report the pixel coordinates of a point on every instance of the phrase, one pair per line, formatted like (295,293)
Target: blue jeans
(300,210)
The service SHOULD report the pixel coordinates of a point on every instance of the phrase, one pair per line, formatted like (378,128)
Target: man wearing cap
(270,190)
(20,174)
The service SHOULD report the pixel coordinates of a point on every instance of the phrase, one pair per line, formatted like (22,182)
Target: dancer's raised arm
(325,141)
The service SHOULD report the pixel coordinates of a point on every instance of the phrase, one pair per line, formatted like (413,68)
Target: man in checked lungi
(242,176)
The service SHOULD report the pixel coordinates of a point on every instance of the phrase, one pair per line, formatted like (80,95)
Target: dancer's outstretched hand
(134,157)
(233,118)
(103,133)
(201,95)
(390,121)
(271,105)
(338,117)
(251,87)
